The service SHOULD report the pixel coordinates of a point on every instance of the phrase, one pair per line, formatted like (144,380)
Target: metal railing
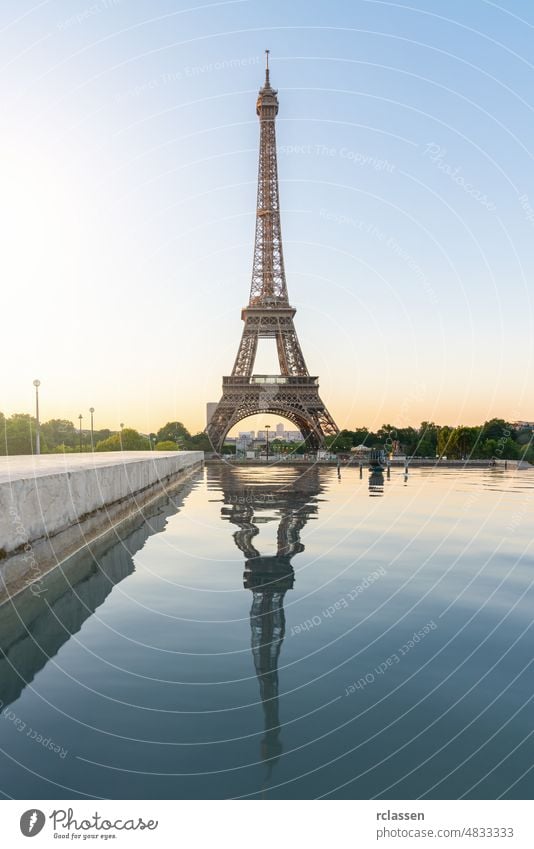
(270,379)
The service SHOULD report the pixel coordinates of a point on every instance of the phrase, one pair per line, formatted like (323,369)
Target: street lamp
(91,410)
(80,418)
(37,384)
(120,434)
(267,447)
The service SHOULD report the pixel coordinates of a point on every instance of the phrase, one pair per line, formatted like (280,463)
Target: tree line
(496,438)
(58,436)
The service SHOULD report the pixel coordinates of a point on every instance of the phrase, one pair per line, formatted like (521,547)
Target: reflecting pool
(280,632)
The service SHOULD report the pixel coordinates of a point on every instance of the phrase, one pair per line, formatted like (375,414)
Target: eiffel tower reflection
(252,499)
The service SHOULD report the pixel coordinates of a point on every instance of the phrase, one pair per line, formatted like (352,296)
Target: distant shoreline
(418,462)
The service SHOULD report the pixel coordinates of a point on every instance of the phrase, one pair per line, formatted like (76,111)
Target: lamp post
(120,434)
(80,418)
(91,410)
(267,447)
(37,384)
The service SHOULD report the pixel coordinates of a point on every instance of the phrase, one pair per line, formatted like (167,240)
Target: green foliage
(59,432)
(342,442)
(447,442)
(426,440)
(112,443)
(173,432)
(298,447)
(18,435)
(460,443)
(199,442)
(487,448)
(496,438)
(99,435)
(524,437)
(495,429)
(128,440)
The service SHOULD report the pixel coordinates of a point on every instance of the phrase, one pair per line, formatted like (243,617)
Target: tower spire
(268,275)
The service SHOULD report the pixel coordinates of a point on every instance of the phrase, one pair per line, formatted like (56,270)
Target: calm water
(284,634)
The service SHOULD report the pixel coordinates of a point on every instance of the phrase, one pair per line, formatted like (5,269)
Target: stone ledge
(41,497)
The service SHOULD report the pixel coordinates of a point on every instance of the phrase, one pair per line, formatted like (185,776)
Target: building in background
(292,436)
(281,434)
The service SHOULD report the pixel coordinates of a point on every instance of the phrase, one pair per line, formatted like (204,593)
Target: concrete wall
(42,496)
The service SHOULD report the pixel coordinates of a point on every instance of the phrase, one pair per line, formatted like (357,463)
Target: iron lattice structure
(294,393)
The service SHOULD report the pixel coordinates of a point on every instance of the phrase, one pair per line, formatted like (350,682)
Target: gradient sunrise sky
(128,172)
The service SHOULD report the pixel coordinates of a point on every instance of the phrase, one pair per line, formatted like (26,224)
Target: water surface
(281,633)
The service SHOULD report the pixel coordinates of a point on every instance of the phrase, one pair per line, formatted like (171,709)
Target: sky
(128,180)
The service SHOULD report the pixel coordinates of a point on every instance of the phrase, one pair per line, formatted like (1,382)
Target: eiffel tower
(294,393)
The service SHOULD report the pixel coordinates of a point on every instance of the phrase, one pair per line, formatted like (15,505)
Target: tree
(58,432)
(467,439)
(488,448)
(507,449)
(427,440)
(343,441)
(523,437)
(408,439)
(199,442)
(167,445)
(362,436)
(447,441)
(497,429)
(20,434)
(112,443)
(174,432)
(385,431)
(128,440)
(99,435)
(299,448)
